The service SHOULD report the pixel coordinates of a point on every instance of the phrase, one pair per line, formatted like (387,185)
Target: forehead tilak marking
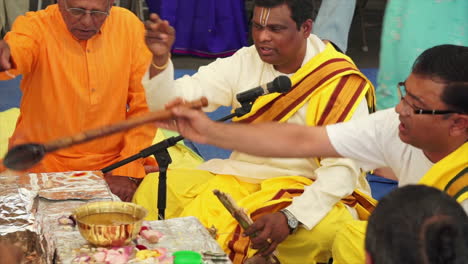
(264,14)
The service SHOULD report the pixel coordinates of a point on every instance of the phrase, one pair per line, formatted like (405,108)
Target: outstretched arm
(5,58)
(265,139)
(20,48)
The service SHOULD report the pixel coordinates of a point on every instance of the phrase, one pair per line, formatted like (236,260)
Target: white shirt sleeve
(335,178)
(217,81)
(364,139)
(156,98)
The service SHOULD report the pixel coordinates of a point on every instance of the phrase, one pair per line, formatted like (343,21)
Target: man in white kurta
(220,81)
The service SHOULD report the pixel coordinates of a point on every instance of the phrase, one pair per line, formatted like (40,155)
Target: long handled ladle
(23,157)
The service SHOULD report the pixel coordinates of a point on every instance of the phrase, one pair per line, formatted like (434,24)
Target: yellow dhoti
(182,186)
(178,193)
(190,194)
(349,243)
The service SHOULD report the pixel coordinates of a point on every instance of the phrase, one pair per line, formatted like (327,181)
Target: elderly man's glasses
(80,12)
(416,110)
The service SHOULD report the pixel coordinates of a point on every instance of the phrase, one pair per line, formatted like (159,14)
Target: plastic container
(187,257)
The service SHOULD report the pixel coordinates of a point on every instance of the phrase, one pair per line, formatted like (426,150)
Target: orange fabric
(70,85)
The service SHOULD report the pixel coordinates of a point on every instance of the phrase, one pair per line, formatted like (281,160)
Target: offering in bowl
(107,224)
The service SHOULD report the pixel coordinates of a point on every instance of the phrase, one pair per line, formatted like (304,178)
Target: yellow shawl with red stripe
(450,174)
(329,82)
(272,197)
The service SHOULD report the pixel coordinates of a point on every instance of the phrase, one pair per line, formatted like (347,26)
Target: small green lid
(187,257)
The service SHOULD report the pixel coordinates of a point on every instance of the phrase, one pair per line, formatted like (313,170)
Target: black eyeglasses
(418,111)
(80,12)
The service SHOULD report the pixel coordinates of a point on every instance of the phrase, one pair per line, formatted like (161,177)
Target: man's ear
(307,27)
(368,258)
(459,126)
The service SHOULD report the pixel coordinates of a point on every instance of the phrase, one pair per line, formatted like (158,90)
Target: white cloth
(220,81)
(334,20)
(373,142)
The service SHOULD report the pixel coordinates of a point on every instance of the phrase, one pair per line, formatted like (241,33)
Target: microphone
(280,84)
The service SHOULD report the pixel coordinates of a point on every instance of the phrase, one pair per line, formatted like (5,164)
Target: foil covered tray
(30,205)
(18,225)
(60,238)
(76,185)
(185,233)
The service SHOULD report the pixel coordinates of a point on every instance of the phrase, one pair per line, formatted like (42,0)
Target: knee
(348,246)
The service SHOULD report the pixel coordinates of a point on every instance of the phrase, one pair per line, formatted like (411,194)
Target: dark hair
(418,224)
(301,10)
(449,64)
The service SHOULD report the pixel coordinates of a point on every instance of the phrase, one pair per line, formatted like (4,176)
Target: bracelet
(163,67)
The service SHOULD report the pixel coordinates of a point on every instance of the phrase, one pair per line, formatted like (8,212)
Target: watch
(293,223)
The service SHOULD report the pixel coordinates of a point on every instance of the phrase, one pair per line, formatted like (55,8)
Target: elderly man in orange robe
(82,63)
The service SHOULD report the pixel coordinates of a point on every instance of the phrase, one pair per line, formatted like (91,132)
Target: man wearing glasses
(82,63)
(423,140)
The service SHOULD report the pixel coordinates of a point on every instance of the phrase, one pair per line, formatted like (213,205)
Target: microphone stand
(240,111)
(160,153)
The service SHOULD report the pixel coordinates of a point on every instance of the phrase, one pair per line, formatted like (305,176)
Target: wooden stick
(244,221)
(238,213)
(118,127)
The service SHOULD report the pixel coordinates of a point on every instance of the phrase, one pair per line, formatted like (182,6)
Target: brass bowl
(107,224)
